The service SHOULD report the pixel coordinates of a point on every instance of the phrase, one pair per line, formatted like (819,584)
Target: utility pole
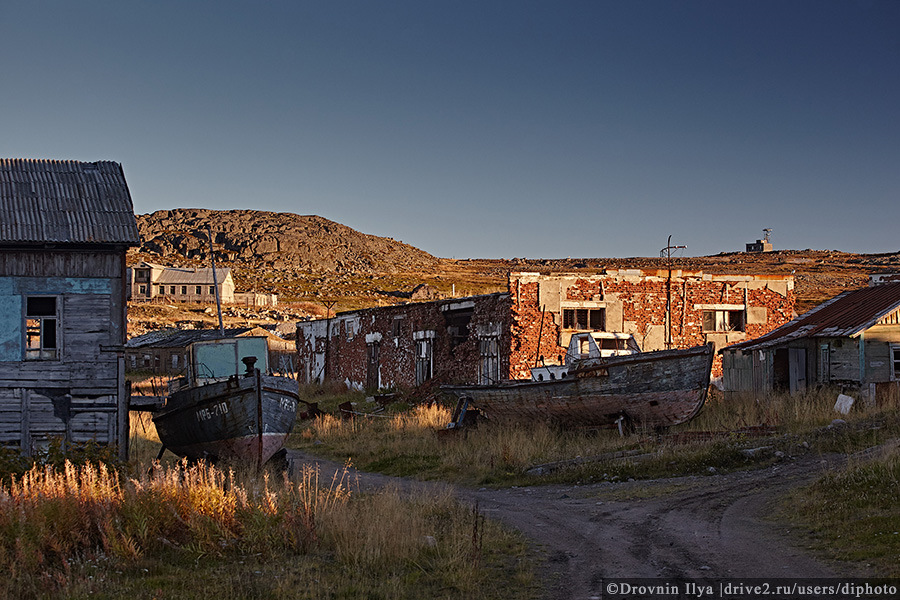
(212,259)
(329,304)
(667,252)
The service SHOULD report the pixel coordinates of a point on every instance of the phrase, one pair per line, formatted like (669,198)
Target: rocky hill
(312,261)
(278,241)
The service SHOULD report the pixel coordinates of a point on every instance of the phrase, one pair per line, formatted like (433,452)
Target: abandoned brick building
(488,338)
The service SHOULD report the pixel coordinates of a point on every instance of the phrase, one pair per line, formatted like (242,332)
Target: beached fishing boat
(651,389)
(227,407)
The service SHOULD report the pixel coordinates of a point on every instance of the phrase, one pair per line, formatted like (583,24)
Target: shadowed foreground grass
(851,514)
(200,532)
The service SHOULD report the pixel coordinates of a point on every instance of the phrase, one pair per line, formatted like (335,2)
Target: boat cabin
(594,344)
(217,360)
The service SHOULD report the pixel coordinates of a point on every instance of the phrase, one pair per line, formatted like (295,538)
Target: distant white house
(148,281)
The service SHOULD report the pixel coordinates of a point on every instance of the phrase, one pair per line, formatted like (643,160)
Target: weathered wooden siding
(73,263)
(80,396)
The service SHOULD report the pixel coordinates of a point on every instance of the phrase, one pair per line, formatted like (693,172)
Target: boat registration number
(216,410)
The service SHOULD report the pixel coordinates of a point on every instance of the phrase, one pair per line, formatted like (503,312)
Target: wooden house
(852,340)
(64,229)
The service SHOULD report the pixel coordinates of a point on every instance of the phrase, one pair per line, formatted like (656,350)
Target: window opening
(593,319)
(41,330)
(458,325)
(723,320)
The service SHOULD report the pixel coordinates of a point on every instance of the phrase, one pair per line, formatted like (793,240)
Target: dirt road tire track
(679,528)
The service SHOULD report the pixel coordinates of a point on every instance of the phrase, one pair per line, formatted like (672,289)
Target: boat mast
(212,259)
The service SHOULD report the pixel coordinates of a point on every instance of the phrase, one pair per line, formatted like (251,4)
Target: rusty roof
(65,201)
(846,315)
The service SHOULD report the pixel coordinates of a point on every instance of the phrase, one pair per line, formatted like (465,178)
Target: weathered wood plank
(60,263)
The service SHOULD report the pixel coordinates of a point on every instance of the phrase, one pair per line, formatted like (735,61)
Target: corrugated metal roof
(179,338)
(845,315)
(174,276)
(65,201)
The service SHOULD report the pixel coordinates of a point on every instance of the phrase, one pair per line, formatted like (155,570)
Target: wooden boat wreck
(217,412)
(649,389)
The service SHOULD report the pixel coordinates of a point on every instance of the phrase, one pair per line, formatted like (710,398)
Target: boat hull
(654,389)
(243,418)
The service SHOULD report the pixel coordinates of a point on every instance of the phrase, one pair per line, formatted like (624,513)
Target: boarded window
(824,363)
(584,319)
(423,361)
(41,320)
(895,361)
(723,320)
(489,360)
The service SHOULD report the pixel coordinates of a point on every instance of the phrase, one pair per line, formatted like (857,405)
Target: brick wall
(395,331)
(635,303)
(529,324)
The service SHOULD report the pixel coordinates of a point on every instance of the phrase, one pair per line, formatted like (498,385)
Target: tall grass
(52,520)
(413,443)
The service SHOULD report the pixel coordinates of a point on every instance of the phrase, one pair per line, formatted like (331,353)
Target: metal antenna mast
(667,252)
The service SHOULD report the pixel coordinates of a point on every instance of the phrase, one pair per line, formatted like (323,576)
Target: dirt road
(687,527)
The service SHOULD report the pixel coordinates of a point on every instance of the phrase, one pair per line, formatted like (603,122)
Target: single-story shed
(851,340)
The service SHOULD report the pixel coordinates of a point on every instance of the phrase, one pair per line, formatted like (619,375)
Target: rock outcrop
(280,241)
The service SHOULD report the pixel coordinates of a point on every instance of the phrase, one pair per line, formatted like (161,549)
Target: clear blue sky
(481,128)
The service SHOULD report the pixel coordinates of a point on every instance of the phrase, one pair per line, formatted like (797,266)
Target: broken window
(41,320)
(423,361)
(172,289)
(592,319)
(723,320)
(142,290)
(395,326)
(212,289)
(198,290)
(142,275)
(184,290)
(458,325)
